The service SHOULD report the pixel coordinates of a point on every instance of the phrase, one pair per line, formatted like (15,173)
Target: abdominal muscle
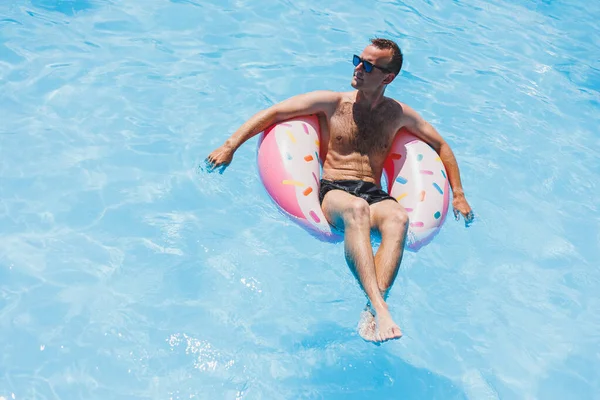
(351,153)
(352,166)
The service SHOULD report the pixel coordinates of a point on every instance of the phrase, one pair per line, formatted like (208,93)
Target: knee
(396,221)
(357,212)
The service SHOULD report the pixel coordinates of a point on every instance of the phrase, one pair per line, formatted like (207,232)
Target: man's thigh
(383,210)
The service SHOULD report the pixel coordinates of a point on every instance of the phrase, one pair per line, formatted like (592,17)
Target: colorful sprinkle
(425,172)
(316,155)
(401,180)
(403,195)
(315,217)
(317,143)
(423,193)
(438,159)
(408,209)
(437,215)
(396,156)
(308,158)
(307,191)
(295,183)
(443,174)
(417,225)
(435,185)
(288,156)
(292,138)
(305,128)
(419,157)
(288,125)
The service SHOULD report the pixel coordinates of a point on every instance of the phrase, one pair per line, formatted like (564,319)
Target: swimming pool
(126,272)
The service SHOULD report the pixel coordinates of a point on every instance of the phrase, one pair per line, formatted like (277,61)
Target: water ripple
(127,271)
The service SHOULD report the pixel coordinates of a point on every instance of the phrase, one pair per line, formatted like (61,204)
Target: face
(370,80)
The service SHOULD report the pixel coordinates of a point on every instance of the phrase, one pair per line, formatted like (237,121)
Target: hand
(460,206)
(219,158)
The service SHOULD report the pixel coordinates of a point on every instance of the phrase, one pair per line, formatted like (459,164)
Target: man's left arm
(412,121)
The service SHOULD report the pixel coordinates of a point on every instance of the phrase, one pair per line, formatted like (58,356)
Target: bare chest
(355,129)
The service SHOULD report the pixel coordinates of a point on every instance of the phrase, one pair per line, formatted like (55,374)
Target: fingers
(212,165)
(209,164)
(469,216)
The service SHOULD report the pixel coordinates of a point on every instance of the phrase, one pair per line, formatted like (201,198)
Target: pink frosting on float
(272,173)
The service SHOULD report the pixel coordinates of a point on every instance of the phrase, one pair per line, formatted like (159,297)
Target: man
(357,130)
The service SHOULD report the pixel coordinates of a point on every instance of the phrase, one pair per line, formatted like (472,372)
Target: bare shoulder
(408,115)
(347,97)
(319,101)
(395,110)
(417,125)
(406,109)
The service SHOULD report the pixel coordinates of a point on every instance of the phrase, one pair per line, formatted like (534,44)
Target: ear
(389,78)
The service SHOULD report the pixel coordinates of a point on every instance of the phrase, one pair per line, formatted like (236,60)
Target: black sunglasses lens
(366,65)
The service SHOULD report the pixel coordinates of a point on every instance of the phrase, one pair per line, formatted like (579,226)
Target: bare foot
(378,328)
(386,327)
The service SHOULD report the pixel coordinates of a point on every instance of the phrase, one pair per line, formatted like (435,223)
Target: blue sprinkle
(435,185)
(289,156)
(419,157)
(437,215)
(443,174)
(401,180)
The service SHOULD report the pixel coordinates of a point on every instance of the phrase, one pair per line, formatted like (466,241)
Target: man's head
(378,64)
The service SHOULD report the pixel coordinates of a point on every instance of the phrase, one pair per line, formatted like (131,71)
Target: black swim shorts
(365,190)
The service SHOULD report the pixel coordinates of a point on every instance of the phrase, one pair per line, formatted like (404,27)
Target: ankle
(373,309)
(379,306)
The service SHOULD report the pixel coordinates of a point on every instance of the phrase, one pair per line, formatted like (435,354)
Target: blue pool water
(126,272)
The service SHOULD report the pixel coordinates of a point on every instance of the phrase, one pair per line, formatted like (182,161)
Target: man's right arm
(324,102)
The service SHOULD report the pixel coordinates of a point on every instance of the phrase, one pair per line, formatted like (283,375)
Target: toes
(392,333)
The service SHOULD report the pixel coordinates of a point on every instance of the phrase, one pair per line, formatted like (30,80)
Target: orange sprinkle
(308,158)
(307,191)
(317,143)
(422,195)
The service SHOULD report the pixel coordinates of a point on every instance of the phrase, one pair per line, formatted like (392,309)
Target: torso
(358,139)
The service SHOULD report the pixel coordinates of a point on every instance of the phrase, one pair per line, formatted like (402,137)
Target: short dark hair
(384,44)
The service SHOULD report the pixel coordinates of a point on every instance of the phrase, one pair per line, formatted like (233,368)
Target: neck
(370,98)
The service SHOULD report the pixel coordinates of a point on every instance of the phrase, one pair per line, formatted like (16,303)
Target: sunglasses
(367,65)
